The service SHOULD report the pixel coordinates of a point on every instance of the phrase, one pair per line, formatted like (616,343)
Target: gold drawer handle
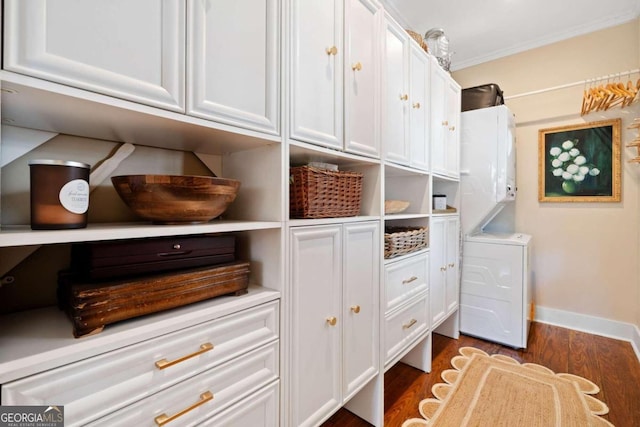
(404,97)
(416,105)
(409,280)
(332,321)
(163,419)
(331,50)
(357,66)
(355,309)
(410,324)
(164,363)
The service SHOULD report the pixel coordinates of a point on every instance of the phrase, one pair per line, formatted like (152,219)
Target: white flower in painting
(556,163)
(578,178)
(583,170)
(580,160)
(574,152)
(555,151)
(564,156)
(573,169)
(557,172)
(567,175)
(594,172)
(567,145)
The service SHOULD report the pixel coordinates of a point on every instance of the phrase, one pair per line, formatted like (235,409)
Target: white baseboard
(591,324)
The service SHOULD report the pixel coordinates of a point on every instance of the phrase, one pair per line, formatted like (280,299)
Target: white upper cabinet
(316,72)
(445,123)
(405,136)
(233,62)
(395,102)
(362,77)
(129,50)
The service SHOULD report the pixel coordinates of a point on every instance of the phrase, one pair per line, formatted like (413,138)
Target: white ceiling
(483,30)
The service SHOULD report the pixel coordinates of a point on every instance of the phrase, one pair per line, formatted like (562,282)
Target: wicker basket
(322,193)
(418,38)
(403,240)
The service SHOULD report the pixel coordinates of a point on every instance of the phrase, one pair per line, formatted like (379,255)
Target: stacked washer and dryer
(496,283)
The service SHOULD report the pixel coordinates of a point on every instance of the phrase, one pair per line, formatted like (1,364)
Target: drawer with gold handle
(404,325)
(405,278)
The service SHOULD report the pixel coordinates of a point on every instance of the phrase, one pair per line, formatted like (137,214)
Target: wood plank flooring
(610,363)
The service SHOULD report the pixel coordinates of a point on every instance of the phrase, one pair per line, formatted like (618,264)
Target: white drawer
(227,384)
(96,386)
(404,279)
(258,410)
(405,325)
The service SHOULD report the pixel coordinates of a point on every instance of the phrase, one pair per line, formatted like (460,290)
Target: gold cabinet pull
(416,105)
(452,128)
(452,265)
(409,280)
(332,321)
(404,97)
(331,50)
(355,309)
(163,419)
(164,363)
(357,66)
(445,123)
(443,268)
(410,324)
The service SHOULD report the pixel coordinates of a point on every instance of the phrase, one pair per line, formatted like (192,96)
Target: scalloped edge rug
(497,390)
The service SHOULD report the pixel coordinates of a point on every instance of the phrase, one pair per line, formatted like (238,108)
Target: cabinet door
(439,126)
(396,94)
(129,50)
(316,274)
(316,72)
(419,100)
(361,305)
(453,94)
(438,268)
(233,62)
(452,259)
(362,98)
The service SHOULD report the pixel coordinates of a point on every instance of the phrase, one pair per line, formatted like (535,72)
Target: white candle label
(74,196)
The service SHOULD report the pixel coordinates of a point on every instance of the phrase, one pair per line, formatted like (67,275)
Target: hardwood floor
(610,363)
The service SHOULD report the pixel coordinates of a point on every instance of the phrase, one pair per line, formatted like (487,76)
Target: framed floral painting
(580,163)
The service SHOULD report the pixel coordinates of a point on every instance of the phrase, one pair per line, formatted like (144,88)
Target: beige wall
(586,255)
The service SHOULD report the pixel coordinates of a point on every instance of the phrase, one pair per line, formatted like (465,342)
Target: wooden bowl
(176,199)
(395,206)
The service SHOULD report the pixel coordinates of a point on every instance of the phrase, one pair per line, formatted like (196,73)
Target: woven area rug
(497,390)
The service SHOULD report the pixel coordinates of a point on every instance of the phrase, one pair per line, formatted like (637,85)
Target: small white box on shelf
(439,202)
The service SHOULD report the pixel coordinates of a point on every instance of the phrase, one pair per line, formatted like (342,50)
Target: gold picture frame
(580,163)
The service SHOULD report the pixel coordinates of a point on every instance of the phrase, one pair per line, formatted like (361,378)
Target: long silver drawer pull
(163,419)
(410,324)
(164,363)
(409,280)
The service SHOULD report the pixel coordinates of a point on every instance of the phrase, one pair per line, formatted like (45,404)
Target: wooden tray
(92,306)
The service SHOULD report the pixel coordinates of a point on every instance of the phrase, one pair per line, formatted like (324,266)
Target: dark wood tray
(92,306)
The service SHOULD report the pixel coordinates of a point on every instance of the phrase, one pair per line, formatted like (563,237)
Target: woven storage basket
(418,38)
(403,240)
(322,193)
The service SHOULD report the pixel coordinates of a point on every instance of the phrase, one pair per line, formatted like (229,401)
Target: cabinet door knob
(452,128)
(444,268)
(331,50)
(332,321)
(445,123)
(409,324)
(163,419)
(404,97)
(409,280)
(357,66)
(355,309)
(164,363)
(452,265)
(416,105)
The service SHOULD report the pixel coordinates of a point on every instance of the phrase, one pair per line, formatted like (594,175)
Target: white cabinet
(405,102)
(444,241)
(129,50)
(334,283)
(445,122)
(335,74)
(233,62)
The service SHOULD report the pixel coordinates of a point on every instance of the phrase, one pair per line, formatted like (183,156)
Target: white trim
(591,324)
